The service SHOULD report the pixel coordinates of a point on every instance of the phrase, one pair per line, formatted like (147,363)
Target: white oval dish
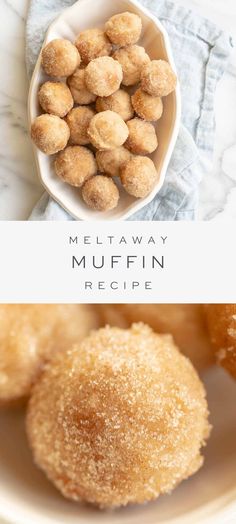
(82,15)
(209,497)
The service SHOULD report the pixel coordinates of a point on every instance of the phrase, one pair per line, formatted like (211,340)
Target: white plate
(85,14)
(209,497)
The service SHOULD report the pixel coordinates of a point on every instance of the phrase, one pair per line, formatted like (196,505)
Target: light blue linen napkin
(200,52)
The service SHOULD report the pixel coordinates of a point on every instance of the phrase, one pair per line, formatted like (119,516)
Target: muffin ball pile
(103,93)
(221,320)
(119,418)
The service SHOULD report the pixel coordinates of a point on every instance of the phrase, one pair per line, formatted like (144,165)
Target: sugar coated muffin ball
(142,138)
(221,320)
(100,193)
(29,335)
(78,88)
(139,176)
(148,107)
(185,322)
(93,43)
(110,162)
(120,102)
(118,419)
(132,60)
(103,76)
(60,58)
(107,130)
(158,79)
(55,98)
(75,164)
(124,29)
(50,133)
(78,121)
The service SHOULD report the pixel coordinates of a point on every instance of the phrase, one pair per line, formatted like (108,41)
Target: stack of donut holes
(96,123)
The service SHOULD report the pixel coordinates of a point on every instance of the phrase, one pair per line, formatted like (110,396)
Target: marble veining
(19,184)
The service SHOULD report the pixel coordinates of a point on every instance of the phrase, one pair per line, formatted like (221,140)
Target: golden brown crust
(50,133)
(142,139)
(158,79)
(118,419)
(93,43)
(148,107)
(75,165)
(124,29)
(55,98)
(103,76)
(221,320)
(107,130)
(78,121)
(120,102)
(78,88)
(132,60)
(185,322)
(29,335)
(110,162)
(138,176)
(100,193)
(60,58)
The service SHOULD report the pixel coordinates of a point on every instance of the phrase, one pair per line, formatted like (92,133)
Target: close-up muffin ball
(142,139)
(50,133)
(148,107)
(78,88)
(124,29)
(29,335)
(60,58)
(93,43)
(158,78)
(138,176)
(132,60)
(103,76)
(78,121)
(221,320)
(118,419)
(111,161)
(100,193)
(75,164)
(107,130)
(120,102)
(55,98)
(185,322)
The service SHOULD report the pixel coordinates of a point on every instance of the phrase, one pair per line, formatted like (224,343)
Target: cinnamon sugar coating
(158,79)
(78,88)
(55,98)
(132,60)
(138,176)
(142,139)
(124,29)
(148,107)
(75,165)
(185,322)
(93,43)
(29,335)
(100,193)
(78,121)
(120,102)
(60,58)
(111,161)
(50,133)
(119,418)
(221,320)
(107,130)
(103,76)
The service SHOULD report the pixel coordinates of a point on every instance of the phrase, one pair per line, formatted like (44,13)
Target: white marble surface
(19,185)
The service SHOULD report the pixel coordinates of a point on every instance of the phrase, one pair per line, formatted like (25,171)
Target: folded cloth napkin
(200,52)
